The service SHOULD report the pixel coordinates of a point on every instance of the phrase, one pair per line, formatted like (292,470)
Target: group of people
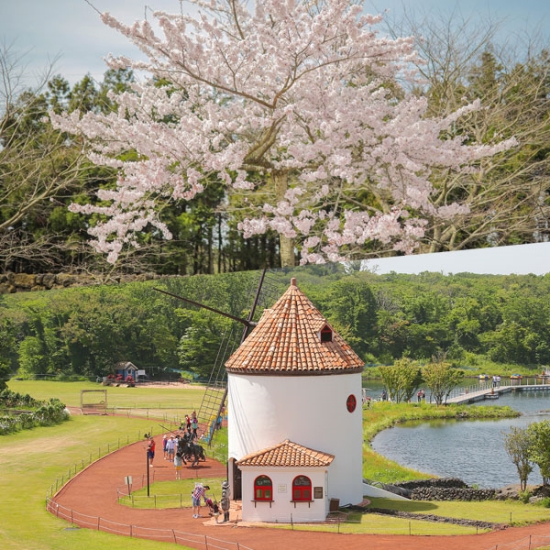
(191,424)
(170,449)
(496,381)
(199,493)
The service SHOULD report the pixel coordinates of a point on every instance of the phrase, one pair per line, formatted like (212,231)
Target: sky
(522,259)
(69,35)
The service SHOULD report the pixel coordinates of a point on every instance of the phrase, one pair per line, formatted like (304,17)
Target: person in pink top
(198,493)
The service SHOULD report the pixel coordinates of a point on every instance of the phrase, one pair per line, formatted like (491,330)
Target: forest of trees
(467,319)
(42,171)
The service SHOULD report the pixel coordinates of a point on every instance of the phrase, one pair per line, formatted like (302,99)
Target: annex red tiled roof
(287,454)
(287,341)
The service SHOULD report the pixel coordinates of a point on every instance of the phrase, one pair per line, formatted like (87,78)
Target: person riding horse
(190,451)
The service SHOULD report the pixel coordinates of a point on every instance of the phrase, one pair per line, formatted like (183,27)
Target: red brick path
(93,493)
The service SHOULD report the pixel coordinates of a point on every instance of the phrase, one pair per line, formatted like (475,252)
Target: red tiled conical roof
(287,341)
(287,454)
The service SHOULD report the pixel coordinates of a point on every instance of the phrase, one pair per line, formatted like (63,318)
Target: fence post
(174,535)
(206,542)
(98,520)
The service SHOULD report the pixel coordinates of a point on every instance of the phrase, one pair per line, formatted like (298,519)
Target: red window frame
(301,489)
(263,488)
(351,403)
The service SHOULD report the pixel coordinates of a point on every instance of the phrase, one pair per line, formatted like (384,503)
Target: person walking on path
(170,448)
(164,443)
(151,451)
(198,493)
(194,426)
(178,464)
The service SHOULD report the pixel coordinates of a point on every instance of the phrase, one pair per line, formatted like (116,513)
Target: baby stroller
(213,508)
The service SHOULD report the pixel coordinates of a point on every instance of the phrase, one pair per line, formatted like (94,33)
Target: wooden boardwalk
(469,396)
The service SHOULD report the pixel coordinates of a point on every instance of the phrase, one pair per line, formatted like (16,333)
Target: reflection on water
(472,450)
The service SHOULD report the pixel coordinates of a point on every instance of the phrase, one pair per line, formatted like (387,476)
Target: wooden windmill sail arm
(249,323)
(246,322)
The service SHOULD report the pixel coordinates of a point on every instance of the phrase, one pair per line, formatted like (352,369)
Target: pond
(472,450)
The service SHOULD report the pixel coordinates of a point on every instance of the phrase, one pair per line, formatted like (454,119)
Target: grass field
(31,461)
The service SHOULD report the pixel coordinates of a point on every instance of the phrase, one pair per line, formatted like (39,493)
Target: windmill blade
(215,395)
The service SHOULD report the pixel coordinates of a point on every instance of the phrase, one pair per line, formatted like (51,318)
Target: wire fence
(125,494)
(102,451)
(135,531)
(181,538)
(526,543)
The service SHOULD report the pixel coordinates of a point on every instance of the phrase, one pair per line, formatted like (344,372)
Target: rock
(446,489)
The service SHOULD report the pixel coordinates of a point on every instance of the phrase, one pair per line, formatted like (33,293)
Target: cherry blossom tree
(301,94)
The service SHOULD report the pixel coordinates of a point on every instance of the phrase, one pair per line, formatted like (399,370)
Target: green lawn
(171,494)
(495,511)
(384,525)
(31,461)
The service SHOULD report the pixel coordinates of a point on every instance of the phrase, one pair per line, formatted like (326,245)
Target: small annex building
(295,416)
(125,369)
(293,470)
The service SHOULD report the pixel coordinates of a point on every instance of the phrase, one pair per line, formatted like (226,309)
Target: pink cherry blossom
(274,87)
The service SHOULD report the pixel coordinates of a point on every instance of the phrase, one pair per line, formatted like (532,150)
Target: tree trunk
(286,244)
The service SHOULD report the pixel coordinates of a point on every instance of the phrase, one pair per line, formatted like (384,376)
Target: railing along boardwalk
(483,389)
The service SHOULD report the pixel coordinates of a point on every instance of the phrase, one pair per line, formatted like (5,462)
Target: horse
(189,449)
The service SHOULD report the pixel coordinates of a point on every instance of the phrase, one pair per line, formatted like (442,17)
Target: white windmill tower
(295,416)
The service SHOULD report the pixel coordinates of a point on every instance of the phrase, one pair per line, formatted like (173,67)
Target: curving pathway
(93,493)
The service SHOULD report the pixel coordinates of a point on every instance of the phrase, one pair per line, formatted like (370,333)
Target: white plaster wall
(282,510)
(308,410)
(370,491)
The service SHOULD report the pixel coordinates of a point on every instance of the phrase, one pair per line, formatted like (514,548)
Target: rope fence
(179,500)
(180,538)
(92,457)
(526,543)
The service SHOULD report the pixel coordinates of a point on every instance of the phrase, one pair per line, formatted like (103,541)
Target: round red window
(351,403)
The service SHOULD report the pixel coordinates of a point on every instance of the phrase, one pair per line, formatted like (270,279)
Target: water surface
(472,450)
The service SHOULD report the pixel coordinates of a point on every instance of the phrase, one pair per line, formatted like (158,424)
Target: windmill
(215,395)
